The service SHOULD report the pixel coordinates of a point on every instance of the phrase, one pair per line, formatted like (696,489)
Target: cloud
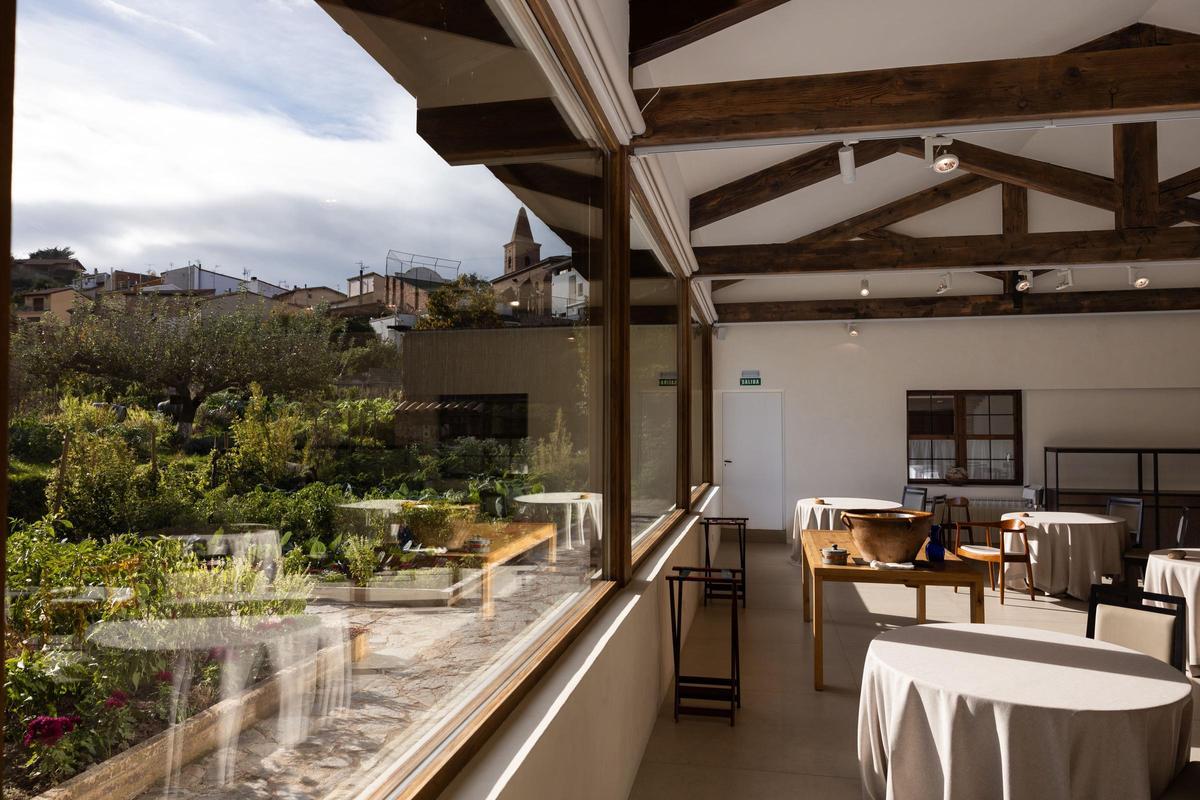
(256,136)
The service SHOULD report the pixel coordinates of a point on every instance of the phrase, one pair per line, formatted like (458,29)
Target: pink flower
(217,653)
(117,699)
(47,731)
(164,676)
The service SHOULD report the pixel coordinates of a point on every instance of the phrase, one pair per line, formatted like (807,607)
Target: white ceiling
(822,36)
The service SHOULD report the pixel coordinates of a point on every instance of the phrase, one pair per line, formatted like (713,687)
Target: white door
(752,453)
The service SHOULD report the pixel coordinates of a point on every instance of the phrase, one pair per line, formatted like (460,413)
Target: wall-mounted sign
(668,379)
(750,377)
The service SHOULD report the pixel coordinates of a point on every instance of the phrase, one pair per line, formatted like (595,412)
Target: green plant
(27,490)
(34,440)
(433,524)
(99,490)
(361,559)
(264,442)
(555,458)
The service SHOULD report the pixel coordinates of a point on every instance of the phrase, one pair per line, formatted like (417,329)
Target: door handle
(727,461)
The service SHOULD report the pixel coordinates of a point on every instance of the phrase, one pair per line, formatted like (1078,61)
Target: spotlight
(1137,278)
(851,329)
(1065,280)
(846,161)
(1026,280)
(864,287)
(514,303)
(944,284)
(938,156)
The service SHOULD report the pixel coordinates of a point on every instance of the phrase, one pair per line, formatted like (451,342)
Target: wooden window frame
(961,435)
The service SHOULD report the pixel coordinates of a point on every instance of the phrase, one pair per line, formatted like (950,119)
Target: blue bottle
(935,551)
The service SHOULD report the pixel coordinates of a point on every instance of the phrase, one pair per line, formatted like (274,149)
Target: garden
(166,468)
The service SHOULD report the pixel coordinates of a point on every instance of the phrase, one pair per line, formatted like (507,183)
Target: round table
(1181,578)
(983,711)
(1070,551)
(827,516)
(573,504)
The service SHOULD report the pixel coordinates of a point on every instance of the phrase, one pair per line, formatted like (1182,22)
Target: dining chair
(914,497)
(1135,558)
(1000,554)
(1120,615)
(1130,510)
(952,503)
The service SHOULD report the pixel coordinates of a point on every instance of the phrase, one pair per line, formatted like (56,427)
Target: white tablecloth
(575,505)
(977,712)
(1182,579)
(1070,551)
(813,516)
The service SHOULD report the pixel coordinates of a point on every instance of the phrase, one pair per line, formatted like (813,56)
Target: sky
(254,136)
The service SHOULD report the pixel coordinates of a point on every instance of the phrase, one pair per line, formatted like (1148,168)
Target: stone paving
(420,660)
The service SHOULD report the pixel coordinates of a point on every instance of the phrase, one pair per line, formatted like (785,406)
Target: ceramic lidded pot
(889,536)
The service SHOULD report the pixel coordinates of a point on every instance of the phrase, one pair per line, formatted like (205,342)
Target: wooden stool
(713,592)
(700,687)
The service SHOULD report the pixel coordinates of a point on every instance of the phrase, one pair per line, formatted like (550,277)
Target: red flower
(117,699)
(47,731)
(164,676)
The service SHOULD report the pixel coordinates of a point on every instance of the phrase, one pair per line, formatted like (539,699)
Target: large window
(964,437)
(347,525)
(696,448)
(653,387)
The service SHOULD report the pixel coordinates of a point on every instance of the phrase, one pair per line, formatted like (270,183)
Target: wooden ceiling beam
(1139,34)
(657,28)
(482,133)
(985,305)
(1014,210)
(553,180)
(950,252)
(897,210)
(780,179)
(1042,176)
(1135,173)
(1071,85)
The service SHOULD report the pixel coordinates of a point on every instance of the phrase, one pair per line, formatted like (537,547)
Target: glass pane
(943,448)
(921,403)
(1004,470)
(1002,403)
(695,469)
(395,493)
(921,470)
(1002,449)
(977,424)
(976,403)
(979,470)
(940,468)
(654,421)
(978,448)
(942,415)
(1002,425)
(920,448)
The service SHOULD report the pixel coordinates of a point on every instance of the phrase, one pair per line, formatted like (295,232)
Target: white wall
(581,732)
(1099,380)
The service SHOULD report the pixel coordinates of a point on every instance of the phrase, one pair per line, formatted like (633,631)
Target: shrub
(34,440)
(361,560)
(99,489)
(264,443)
(433,524)
(27,490)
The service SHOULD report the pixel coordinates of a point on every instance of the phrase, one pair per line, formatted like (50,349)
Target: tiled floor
(790,741)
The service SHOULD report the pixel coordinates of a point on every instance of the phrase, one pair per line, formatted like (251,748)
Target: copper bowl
(895,536)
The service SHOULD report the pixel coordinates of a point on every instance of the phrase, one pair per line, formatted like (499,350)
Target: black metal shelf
(1157,499)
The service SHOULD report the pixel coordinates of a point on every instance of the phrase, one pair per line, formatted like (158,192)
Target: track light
(1065,280)
(851,329)
(1137,278)
(944,283)
(1026,280)
(864,287)
(846,160)
(938,156)
(514,303)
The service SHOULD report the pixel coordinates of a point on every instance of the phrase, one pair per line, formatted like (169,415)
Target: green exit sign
(750,377)
(668,379)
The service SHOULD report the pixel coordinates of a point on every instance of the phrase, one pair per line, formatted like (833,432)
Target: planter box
(414,588)
(131,772)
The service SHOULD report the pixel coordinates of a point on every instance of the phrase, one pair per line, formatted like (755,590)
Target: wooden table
(507,542)
(951,572)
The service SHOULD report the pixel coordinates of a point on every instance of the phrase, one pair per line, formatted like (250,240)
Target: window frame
(960,436)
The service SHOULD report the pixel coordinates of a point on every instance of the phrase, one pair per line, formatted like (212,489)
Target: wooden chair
(998,555)
(1119,615)
(951,503)
(1135,558)
(914,497)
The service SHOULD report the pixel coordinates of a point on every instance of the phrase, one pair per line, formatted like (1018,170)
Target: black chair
(1130,510)
(1136,558)
(914,497)
(1119,615)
